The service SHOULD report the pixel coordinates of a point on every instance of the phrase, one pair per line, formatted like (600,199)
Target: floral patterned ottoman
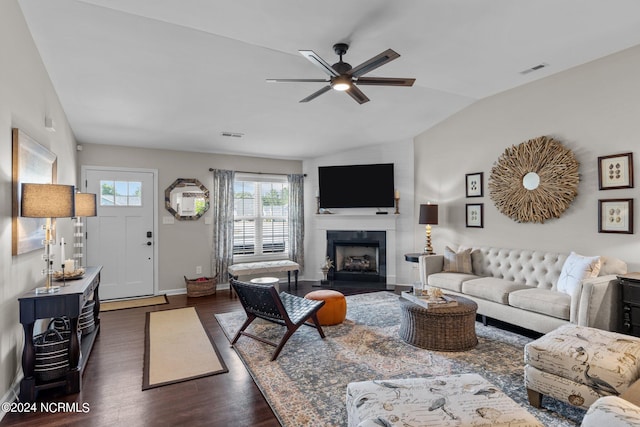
(578,364)
(453,400)
(612,411)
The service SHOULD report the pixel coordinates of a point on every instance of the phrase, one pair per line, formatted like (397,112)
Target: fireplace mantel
(355,222)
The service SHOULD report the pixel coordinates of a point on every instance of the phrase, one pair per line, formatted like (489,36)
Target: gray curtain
(296,218)
(222,207)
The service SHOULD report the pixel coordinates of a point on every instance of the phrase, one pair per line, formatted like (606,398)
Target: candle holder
(317,204)
(48,288)
(397,199)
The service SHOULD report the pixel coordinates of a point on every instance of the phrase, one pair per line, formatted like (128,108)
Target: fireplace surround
(352,222)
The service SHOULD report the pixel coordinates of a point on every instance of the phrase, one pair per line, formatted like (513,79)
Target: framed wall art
(615,216)
(474,184)
(31,163)
(475,212)
(615,171)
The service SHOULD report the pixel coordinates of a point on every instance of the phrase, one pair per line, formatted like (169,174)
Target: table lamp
(428,216)
(85,206)
(47,201)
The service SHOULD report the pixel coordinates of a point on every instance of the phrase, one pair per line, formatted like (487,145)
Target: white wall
(593,110)
(26,96)
(398,153)
(182,245)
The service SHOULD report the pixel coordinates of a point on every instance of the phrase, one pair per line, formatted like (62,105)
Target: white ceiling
(176,74)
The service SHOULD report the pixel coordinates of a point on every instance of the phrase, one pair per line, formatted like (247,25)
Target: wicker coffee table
(440,328)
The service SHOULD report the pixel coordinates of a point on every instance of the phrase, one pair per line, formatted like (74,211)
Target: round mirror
(186,199)
(531,181)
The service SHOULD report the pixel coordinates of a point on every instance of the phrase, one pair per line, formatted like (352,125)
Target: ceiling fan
(343,77)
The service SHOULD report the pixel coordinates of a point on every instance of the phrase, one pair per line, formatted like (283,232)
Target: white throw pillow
(575,269)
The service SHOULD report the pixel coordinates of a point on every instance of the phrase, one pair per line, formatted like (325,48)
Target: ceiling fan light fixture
(341,83)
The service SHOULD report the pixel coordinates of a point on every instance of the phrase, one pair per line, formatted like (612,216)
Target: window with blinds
(261,212)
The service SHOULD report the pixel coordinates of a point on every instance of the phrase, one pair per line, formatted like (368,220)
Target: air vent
(233,134)
(534,68)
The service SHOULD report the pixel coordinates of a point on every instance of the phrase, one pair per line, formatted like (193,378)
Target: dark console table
(66,302)
(413,257)
(630,303)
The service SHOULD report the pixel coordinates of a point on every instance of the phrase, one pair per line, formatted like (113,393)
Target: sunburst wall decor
(535,180)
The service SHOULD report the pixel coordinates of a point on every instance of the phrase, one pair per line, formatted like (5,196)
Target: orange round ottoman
(334,310)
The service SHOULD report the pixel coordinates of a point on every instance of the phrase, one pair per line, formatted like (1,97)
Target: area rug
(133,303)
(306,385)
(178,348)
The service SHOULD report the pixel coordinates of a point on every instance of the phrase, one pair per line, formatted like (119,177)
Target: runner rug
(178,348)
(306,385)
(133,303)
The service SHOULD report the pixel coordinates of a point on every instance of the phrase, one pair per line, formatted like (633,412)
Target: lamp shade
(47,201)
(428,214)
(85,204)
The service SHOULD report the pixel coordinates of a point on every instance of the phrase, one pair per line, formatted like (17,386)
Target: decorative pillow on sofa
(457,262)
(575,269)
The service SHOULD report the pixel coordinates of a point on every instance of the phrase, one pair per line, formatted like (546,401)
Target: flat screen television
(356,186)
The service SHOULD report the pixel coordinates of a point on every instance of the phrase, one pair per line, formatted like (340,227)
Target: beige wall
(593,109)
(182,245)
(26,96)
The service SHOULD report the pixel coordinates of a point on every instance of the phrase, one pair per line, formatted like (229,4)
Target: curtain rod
(259,173)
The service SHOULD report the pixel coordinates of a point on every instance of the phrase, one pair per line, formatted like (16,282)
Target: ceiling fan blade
(319,62)
(316,94)
(297,80)
(375,62)
(357,94)
(385,81)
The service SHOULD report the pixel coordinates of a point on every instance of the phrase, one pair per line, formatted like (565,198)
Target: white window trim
(249,177)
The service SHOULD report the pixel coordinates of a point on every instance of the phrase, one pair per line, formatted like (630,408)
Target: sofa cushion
(450,281)
(575,269)
(543,301)
(491,289)
(457,262)
(610,265)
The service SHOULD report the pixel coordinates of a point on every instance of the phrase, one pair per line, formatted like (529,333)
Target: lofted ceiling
(179,74)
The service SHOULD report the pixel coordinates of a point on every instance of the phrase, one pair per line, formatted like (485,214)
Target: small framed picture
(615,216)
(615,171)
(475,212)
(474,184)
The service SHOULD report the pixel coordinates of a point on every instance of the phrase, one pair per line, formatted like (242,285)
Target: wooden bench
(265,267)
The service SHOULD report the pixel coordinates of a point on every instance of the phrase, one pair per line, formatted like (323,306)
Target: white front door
(121,238)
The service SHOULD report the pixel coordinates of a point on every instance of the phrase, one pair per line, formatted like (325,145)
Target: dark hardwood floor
(112,383)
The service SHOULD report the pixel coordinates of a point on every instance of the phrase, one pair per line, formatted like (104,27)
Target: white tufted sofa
(518,286)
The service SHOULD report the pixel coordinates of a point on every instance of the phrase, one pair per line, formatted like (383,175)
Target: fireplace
(357,255)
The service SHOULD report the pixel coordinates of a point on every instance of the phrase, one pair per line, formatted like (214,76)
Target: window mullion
(258,226)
